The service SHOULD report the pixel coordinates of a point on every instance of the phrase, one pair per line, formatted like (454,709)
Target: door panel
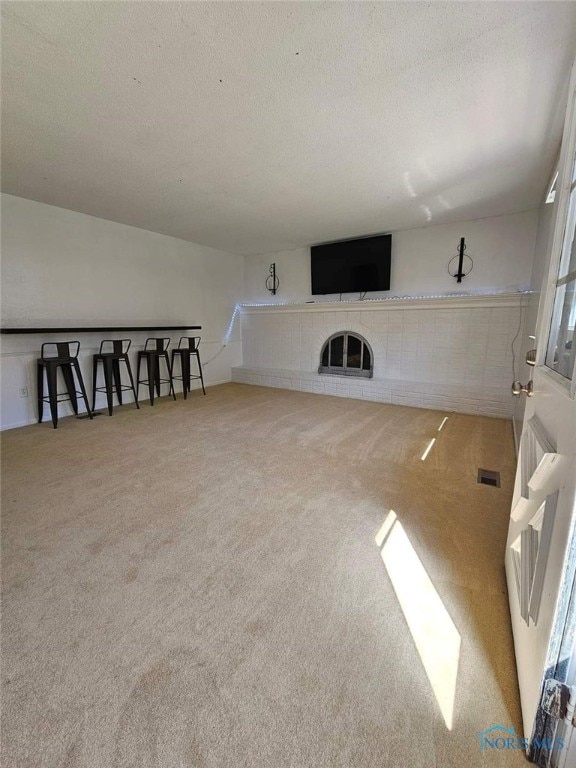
(534,643)
(541,547)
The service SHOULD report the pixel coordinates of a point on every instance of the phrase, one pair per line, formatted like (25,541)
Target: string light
(228,333)
(245,305)
(386,298)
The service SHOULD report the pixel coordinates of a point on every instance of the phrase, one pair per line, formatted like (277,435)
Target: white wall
(61,268)
(502,248)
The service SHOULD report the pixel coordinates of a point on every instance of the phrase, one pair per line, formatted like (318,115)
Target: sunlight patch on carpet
(436,638)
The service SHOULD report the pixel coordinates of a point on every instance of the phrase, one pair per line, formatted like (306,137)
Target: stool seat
(112,352)
(54,361)
(65,358)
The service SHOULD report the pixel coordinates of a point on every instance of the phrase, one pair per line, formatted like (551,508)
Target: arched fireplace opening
(347,354)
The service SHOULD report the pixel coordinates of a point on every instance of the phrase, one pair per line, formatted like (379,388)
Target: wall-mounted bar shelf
(104,329)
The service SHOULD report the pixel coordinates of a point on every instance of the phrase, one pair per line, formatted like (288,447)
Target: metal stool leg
(151,363)
(108,384)
(94,380)
(127,361)
(170,379)
(173,360)
(117,379)
(76,365)
(70,385)
(40,391)
(185,361)
(52,393)
(138,362)
(157,375)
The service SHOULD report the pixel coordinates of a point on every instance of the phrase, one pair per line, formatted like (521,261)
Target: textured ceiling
(255,127)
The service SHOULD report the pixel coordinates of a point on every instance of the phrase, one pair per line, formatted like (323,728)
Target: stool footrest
(62,397)
(162,381)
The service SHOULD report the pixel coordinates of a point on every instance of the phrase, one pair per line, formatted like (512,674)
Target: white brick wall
(449,354)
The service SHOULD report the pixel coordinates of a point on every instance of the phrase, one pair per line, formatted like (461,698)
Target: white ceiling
(256,127)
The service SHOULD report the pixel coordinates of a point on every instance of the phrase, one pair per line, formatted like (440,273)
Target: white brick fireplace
(452,353)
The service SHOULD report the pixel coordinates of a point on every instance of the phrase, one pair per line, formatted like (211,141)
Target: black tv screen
(352,265)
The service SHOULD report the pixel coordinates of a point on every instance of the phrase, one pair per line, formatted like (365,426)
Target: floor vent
(488,477)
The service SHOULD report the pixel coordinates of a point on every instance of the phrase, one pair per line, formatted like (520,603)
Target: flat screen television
(352,266)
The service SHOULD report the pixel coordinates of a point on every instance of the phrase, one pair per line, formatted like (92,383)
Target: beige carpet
(198,585)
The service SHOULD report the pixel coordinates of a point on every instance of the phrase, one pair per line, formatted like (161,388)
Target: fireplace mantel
(515,299)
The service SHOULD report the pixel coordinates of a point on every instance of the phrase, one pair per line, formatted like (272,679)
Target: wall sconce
(272,282)
(461,255)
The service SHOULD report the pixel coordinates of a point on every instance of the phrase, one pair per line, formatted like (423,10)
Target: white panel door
(541,547)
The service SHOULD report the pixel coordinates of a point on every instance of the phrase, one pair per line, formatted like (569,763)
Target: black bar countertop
(104,329)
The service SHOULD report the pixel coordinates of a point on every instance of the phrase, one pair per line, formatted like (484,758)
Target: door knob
(518,388)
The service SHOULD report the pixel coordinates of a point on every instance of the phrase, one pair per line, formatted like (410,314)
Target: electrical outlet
(23,391)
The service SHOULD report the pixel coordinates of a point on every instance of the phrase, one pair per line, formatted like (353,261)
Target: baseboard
(217,383)
(17,424)
(481,401)
(33,420)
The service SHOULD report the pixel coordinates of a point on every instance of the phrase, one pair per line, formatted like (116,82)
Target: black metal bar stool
(67,360)
(154,351)
(112,353)
(185,352)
